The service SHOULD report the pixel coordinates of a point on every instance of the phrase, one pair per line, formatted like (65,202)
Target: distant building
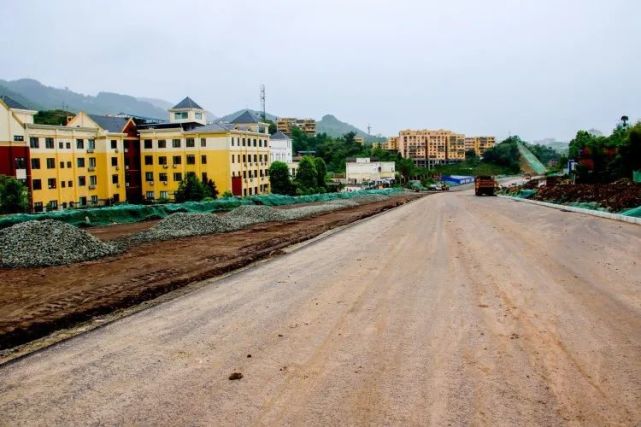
(281,151)
(429,148)
(286,124)
(359,139)
(363,169)
(480,144)
(281,147)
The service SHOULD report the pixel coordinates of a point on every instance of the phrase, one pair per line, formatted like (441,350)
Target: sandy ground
(449,310)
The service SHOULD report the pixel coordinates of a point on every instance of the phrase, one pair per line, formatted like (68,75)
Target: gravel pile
(344,203)
(246,215)
(181,225)
(49,242)
(304,211)
(370,198)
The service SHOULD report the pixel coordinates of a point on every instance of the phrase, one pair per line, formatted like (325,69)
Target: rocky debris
(235,376)
(246,215)
(49,242)
(369,198)
(616,196)
(345,203)
(182,225)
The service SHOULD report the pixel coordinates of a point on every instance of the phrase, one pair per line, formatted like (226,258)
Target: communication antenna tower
(262,101)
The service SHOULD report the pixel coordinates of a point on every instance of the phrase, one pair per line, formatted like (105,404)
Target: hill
(5,91)
(333,127)
(43,97)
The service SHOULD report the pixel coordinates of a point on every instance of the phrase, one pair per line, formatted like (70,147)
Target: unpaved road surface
(449,310)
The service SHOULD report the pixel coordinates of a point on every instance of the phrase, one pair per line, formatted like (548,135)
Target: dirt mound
(48,242)
(616,196)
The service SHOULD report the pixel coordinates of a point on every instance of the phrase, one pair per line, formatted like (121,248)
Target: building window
(93,180)
(51,163)
(51,183)
(48,142)
(180,115)
(254,142)
(83,201)
(114,144)
(190,143)
(148,144)
(68,144)
(203,159)
(203,177)
(82,181)
(114,178)
(178,176)
(243,142)
(18,138)
(177,160)
(94,200)
(162,143)
(203,142)
(175,143)
(162,160)
(91,144)
(149,176)
(199,116)
(162,177)
(63,184)
(232,141)
(150,195)
(53,204)
(92,163)
(80,162)
(34,142)
(69,184)
(35,163)
(36,184)
(191,159)
(80,144)
(61,145)
(62,165)
(114,161)
(149,160)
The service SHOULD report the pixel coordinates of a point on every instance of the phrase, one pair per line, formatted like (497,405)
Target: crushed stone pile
(49,242)
(344,203)
(369,198)
(182,225)
(246,215)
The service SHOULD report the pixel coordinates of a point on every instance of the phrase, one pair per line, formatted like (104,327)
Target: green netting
(587,205)
(636,176)
(126,213)
(531,159)
(635,212)
(525,193)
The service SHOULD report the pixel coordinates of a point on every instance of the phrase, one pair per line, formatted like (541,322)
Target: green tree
(306,177)
(210,189)
(321,171)
(279,178)
(190,188)
(406,168)
(470,155)
(13,195)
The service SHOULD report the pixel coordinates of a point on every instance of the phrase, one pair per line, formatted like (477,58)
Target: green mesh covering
(635,212)
(531,159)
(126,213)
(636,176)
(525,193)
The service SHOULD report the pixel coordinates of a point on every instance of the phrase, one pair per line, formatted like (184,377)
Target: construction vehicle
(484,185)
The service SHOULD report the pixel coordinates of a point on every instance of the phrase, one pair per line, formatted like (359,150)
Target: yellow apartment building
(80,164)
(234,155)
(480,144)
(286,124)
(428,148)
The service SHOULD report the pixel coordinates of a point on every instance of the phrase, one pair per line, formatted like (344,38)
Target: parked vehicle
(484,185)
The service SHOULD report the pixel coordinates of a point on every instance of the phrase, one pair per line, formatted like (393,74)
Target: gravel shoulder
(37,301)
(453,310)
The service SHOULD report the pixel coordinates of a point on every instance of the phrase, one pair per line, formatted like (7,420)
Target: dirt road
(449,310)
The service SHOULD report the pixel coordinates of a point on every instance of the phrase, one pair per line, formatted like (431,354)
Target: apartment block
(286,124)
(100,160)
(236,155)
(364,169)
(480,144)
(429,148)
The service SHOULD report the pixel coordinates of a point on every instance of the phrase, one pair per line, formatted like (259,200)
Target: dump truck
(484,185)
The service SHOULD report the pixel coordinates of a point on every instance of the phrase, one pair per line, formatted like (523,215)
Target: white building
(362,169)
(281,148)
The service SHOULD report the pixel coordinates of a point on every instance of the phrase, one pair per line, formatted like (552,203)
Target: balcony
(91,168)
(90,150)
(92,186)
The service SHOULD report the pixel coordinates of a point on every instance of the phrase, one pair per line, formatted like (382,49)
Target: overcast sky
(539,68)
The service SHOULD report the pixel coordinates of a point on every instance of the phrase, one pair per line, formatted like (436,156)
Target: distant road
(453,309)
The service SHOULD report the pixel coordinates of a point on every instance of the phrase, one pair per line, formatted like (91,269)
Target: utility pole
(262,101)
(369,129)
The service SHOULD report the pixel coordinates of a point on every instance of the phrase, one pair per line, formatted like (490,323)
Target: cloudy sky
(539,68)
